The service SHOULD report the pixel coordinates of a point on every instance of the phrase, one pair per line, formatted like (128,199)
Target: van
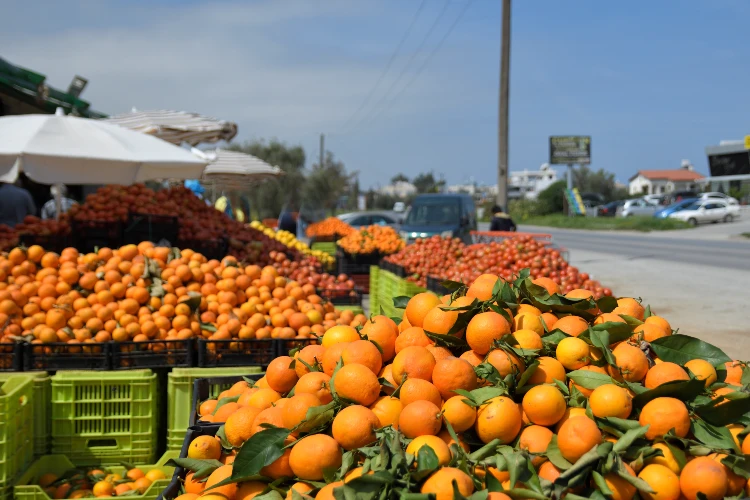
(445,215)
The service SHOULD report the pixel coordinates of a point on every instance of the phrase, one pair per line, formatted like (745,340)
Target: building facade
(664,181)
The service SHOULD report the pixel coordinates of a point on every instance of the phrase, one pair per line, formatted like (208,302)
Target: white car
(719,196)
(710,210)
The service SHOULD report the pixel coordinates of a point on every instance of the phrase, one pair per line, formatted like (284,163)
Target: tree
(551,199)
(270,196)
(601,182)
(426,183)
(327,183)
(399,178)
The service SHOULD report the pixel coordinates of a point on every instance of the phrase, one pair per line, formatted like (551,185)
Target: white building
(664,181)
(400,189)
(529,183)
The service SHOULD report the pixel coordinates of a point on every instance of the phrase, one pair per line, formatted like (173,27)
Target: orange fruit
(295,410)
(413,362)
(632,364)
(383,331)
(420,418)
(418,307)
(505,362)
(547,372)
(548,284)
(703,370)
(280,376)
(411,336)
(573,353)
(416,389)
(354,427)
(338,334)
(572,325)
(452,373)
(312,355)
(436,444)
(535,439)
(662,373)
(610,400)
(388,410)
(499,418)
(441,483)
(312,455)
(592,368)
(663,414)
(577,436)
(317,384)
(460,415)
(356,383)
(621,488)
(483,329)
(217,476)
(703,475)
(365,353)
(239,425)
(203,448)
(544,405)
(481,288)
(668,459)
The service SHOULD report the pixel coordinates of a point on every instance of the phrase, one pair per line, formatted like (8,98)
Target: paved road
(672,246)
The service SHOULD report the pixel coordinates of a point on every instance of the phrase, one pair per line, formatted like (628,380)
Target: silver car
(637,207)
(380,218)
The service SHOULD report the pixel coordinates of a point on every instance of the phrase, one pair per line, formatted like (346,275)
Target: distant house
(400,189)
(664,181)
(529,183)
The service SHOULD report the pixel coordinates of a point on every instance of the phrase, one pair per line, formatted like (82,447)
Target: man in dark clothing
(287,222)
(15,204)
(501,221)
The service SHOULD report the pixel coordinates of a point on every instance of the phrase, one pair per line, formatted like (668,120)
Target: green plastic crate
(42,401)
(101,418)
(27,489)
(16,430)
(180,397)
(327,247)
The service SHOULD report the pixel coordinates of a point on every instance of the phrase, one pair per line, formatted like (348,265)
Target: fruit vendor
(501,221)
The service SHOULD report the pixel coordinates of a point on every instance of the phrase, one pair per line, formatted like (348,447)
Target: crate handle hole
(102,443)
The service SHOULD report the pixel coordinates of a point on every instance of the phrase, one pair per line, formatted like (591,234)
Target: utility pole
(322,149)
(502,156)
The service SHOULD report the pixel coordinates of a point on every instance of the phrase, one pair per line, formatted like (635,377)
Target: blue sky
(652,82)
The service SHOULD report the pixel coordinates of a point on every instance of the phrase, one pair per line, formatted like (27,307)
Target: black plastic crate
(93,234)
(150,227)
(236,352)
(361,281)
(396,269)
(356,264)
(11,357)
(50,242)
(209,387)
(210,249)
(434,285)
(176,485)
(342,297)
(286,345)
(64,356)
(154,354)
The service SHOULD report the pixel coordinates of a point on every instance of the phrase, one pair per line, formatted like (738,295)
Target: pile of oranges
(100,483)
(332,227)
(500,390)
(383,240)
(140,293)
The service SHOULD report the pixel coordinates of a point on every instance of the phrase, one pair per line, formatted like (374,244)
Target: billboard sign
(569,149)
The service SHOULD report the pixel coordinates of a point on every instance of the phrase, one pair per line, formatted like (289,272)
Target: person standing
(49,210)
(15,204)
(501,221)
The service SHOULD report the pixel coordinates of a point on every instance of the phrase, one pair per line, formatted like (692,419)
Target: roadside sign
(747,142)
(575,202)
(569,149)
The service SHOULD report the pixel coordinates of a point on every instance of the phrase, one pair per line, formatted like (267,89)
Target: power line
(388,65)
(408,64)
(426,61)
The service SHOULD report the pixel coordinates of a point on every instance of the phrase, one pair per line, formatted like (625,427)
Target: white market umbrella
(176,126)
(54,149)
(234,169)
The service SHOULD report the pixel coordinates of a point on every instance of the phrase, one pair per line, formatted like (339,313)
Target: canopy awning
(177,126)
(234,169)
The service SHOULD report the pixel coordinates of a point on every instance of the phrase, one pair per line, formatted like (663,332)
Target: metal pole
(322,149)
(502,157)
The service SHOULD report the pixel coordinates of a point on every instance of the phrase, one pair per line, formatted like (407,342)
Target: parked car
(657,199)
(610,209)
(676,196)
(381,218)
(710,210)
(719,196)
(447,215)
(636,207)
(674,207)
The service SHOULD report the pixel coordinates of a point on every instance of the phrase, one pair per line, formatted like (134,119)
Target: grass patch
(745,235)
(644,224)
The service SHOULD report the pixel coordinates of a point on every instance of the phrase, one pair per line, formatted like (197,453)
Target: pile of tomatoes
(308,271)
(447,258)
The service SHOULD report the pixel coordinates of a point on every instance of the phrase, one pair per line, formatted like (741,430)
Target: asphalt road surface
(672,246)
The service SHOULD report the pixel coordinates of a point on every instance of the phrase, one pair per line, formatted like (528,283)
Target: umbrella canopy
(65,149)
(177,126)
(232,168)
